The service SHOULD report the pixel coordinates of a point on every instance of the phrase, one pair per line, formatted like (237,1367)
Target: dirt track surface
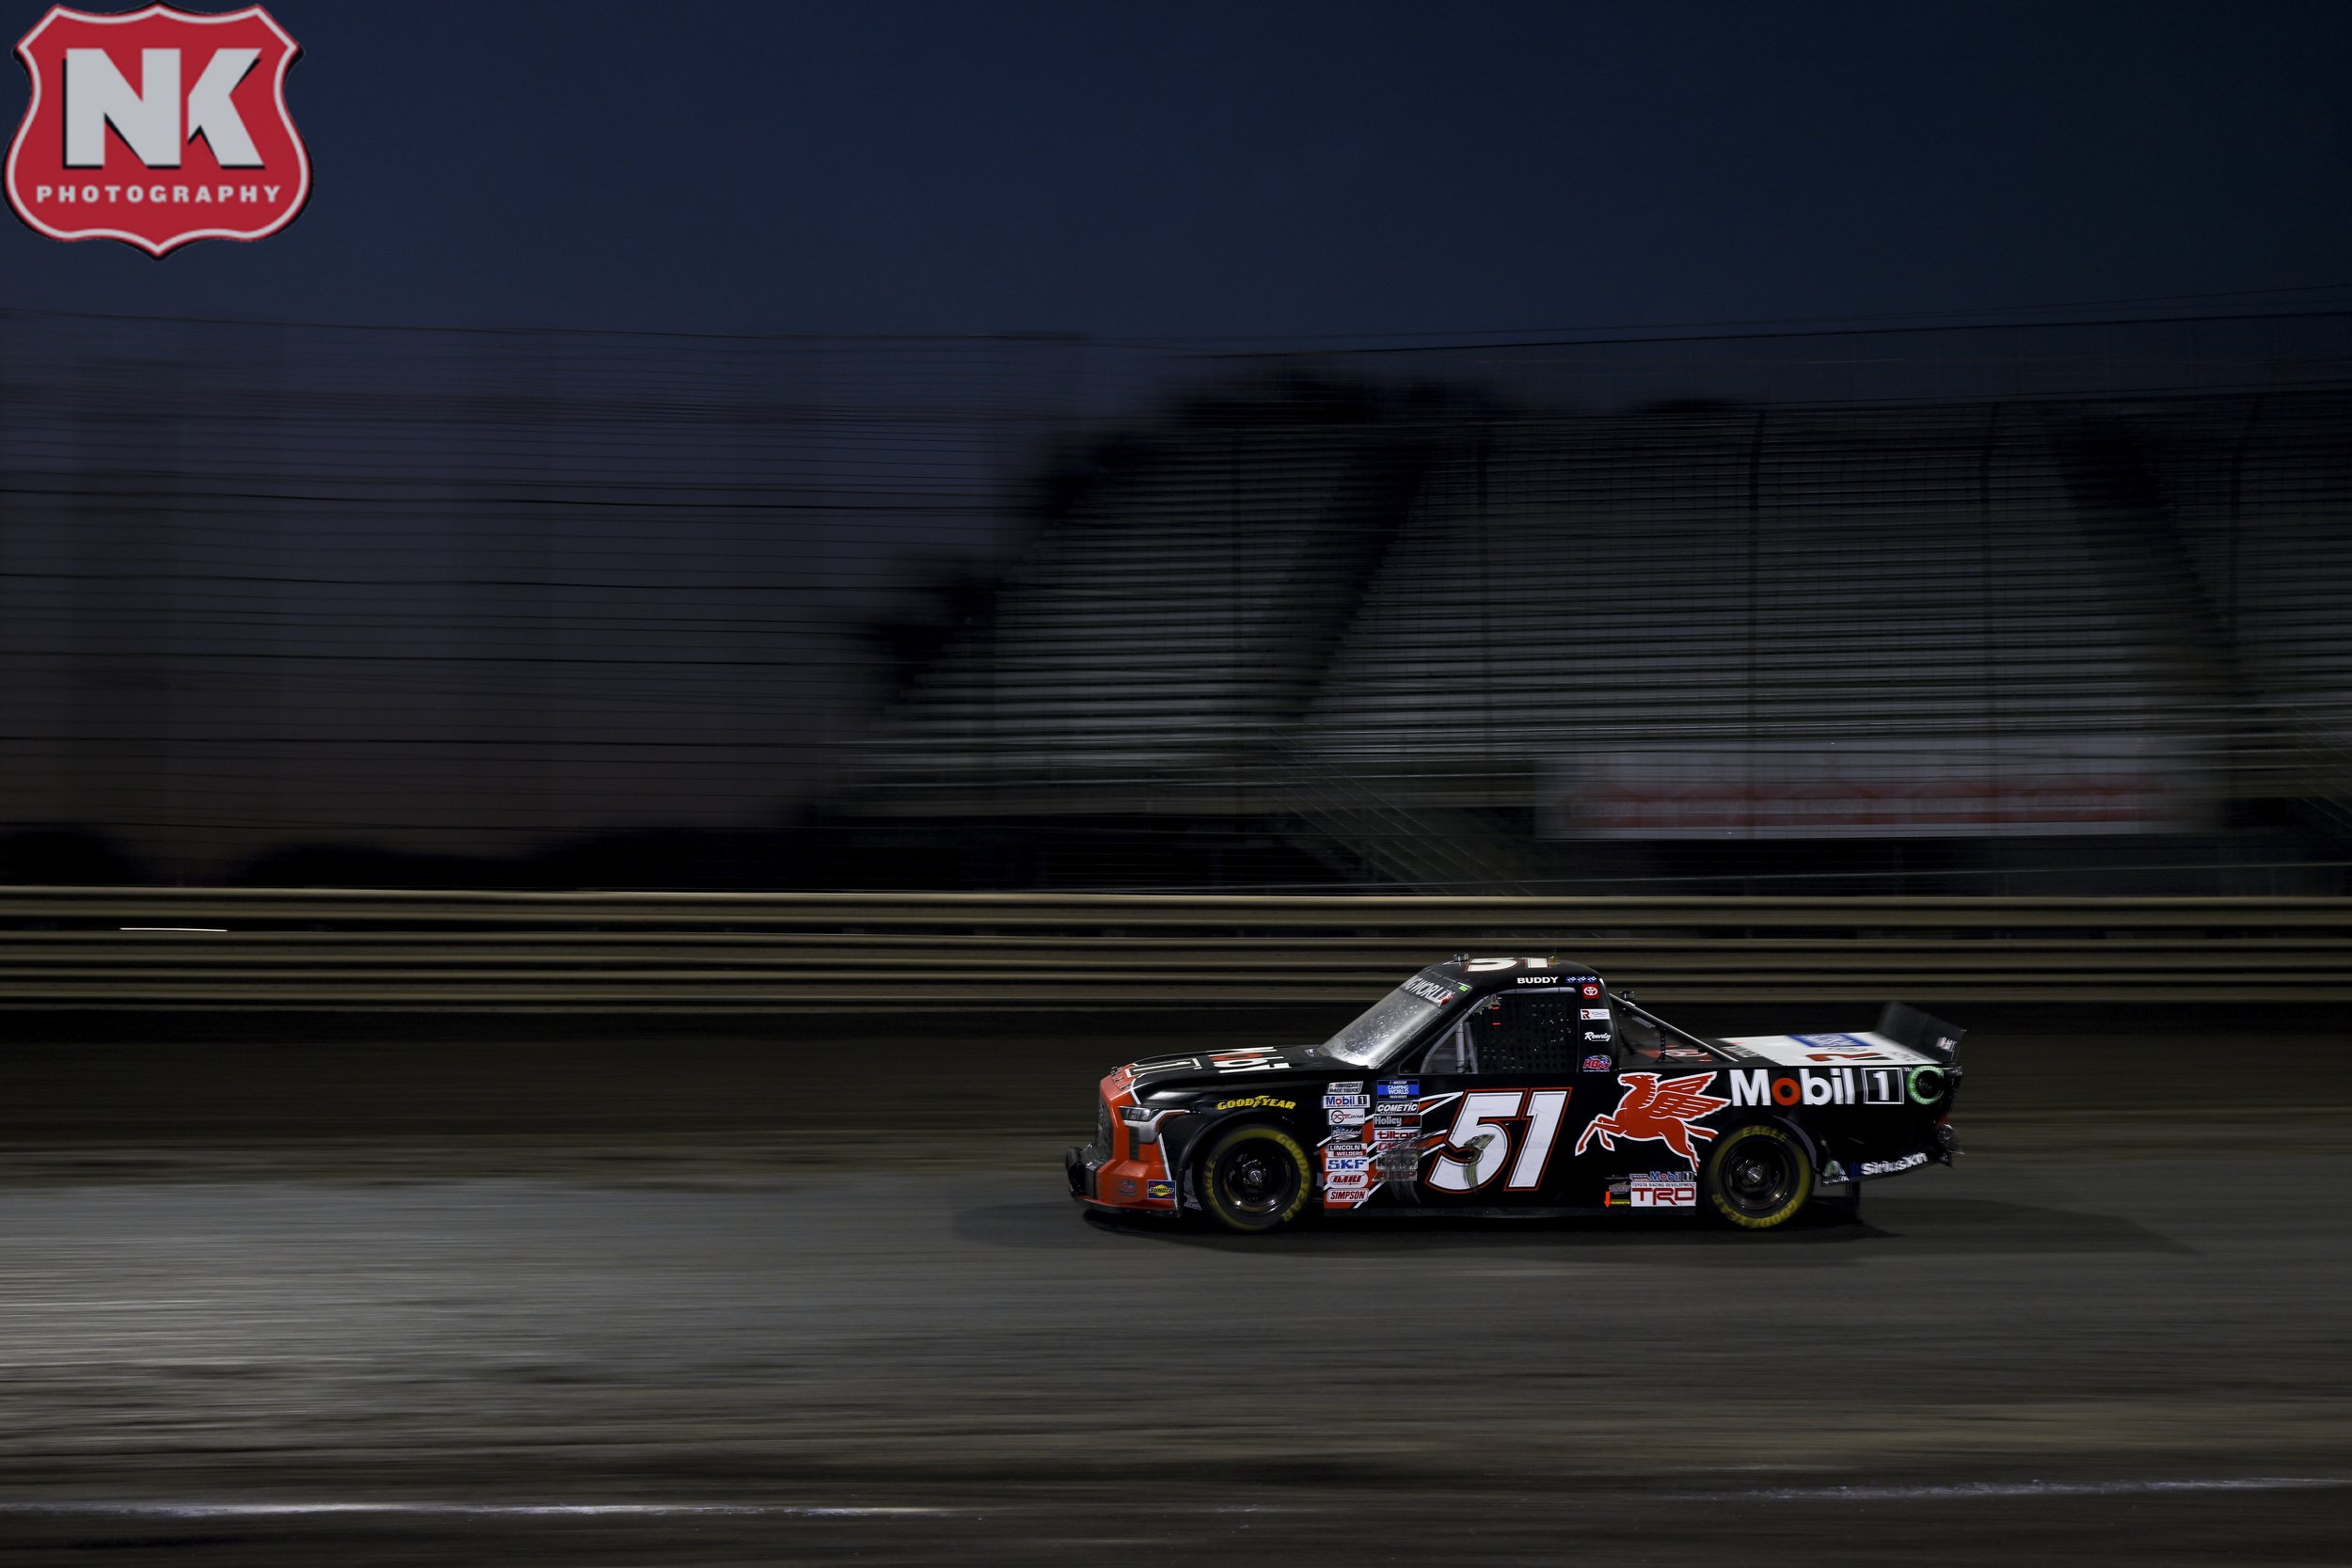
(290,1291)
(2038,1359)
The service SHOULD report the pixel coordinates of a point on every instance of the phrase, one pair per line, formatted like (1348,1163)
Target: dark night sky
(1268,169)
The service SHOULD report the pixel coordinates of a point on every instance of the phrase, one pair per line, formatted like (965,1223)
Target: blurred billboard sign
(1880,788)
(158,127)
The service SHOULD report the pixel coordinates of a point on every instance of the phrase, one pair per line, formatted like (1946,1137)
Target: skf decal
(158,127)
(1656,1111)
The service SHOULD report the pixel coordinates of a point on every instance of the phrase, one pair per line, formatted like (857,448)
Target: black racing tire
(1757,1178)
(1254,1177)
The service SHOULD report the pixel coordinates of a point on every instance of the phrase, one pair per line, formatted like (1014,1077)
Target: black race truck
(1523,1085)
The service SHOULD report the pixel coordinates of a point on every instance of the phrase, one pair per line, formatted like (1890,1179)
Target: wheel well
(1804,1139)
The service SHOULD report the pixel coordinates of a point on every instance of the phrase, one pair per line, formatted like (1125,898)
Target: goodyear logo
(1257,1102)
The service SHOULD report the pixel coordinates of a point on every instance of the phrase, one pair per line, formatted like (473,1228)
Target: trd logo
(158,127)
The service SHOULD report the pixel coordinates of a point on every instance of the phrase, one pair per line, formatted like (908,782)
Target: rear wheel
(1757,1178)
(1254,1177)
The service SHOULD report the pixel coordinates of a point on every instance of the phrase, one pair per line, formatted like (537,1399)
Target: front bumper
(1124,1186)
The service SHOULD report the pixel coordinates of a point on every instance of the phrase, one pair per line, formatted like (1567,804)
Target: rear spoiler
(1929,1035)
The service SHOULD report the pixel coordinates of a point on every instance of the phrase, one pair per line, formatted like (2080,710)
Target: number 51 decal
(1474,1152)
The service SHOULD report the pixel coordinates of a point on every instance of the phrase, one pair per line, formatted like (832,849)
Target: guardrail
(201,948)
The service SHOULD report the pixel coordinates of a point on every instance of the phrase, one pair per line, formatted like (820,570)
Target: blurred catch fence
(720,953)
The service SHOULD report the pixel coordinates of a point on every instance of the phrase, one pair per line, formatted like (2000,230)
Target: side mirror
(1625,996)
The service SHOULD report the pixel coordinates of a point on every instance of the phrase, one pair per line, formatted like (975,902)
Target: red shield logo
(158,127)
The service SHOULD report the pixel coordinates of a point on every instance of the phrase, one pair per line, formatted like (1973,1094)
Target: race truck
(1519,1085)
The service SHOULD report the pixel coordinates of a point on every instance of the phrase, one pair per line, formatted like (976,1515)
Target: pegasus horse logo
(1652,1111)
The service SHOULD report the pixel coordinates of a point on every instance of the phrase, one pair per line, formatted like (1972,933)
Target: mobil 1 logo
(1838,1085)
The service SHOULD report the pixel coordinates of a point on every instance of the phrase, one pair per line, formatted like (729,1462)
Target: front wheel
(1757,1178)
(1254,1177)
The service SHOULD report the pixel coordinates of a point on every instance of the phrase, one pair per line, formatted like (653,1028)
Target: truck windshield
(1387,1024)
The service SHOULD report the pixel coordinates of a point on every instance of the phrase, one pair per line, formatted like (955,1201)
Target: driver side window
(1514,1033)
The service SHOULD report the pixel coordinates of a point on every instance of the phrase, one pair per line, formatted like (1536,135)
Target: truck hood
(1229,1068)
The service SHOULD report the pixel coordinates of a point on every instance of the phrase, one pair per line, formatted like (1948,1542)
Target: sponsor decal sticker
(1398,1088)
(1596,1036)
(1126,1186)
(1160,1191)
(1257,1102)
(1657,1189)
(1597,1063)
(1840,1085)
(1593,1015)
(1539,979)
(1590,991)
(1428,990)
(1353,1087)
(1892,1167)
(1347,1102)
(1653,1110)
(1335,1163)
